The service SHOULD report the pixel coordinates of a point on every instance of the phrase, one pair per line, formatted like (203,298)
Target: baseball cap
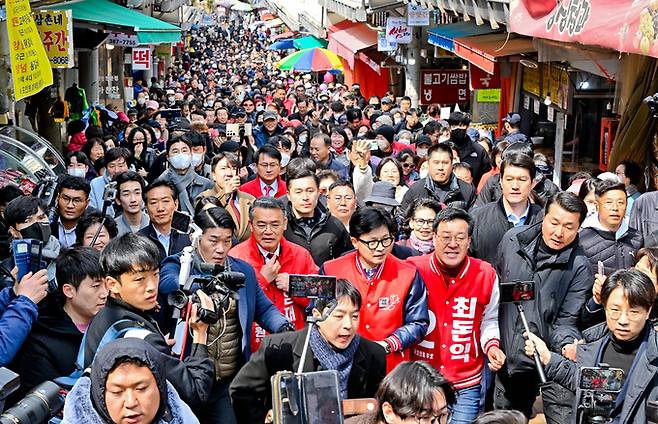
(386,100)
(152,104)
(239,111)
(269,114)
(423,140)
(513,118)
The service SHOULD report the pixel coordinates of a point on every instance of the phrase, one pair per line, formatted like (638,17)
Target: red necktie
(268,190)
(236,211)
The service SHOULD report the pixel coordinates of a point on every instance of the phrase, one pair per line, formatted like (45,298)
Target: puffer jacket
(461,194)
(615,250)
(563,283)
(328,239)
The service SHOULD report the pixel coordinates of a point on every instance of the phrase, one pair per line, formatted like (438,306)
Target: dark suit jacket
(251,390)
(177,241)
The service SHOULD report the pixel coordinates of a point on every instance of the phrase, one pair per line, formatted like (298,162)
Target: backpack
(116,331)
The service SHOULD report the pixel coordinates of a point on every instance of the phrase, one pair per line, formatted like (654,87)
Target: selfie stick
(180,334)
(538,365)
(311,321)
(107,200)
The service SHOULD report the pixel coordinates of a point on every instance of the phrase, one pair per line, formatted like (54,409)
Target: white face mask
(285,159)
(197,158)
(180,161)
(421,152)
(141,100)
(77,172)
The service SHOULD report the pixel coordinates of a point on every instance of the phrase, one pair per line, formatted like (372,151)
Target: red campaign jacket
(294,259)
(394,307)
(253,187)
(463,319)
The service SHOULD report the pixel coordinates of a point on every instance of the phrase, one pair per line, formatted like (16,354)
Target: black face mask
(38,231)
(458,135)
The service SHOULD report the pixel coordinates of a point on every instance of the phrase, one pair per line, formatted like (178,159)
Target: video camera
(219,286)
(597,392)
(43,402)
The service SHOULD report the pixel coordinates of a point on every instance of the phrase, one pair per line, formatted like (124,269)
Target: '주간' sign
(141,59)
(443,86)
(398,31)
(56,30)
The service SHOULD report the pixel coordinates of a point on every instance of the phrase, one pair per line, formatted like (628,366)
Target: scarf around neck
(331,359)
(423,246)
(182,182)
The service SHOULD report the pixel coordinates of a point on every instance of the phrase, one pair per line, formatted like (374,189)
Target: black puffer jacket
(490,225)
(602,245)
(327,240)
(460,194)
(563,283)
(473,154)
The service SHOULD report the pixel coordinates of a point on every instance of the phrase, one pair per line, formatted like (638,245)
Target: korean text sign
(29,63)
(444,86)
(56,31)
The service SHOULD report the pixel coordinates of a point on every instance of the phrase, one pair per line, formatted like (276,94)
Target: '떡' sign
(397,30)
(417,15)
(443,86)
(141,59)
(29,63)
(56,30)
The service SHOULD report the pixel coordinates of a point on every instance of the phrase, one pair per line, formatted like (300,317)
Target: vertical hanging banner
(383,45)
(30,68)
(417,15)
(56,30)
(141,59)
(397,30)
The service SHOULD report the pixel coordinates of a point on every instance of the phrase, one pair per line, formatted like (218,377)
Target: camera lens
(39,405)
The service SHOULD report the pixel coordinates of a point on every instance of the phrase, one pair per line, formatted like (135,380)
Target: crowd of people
(230,166)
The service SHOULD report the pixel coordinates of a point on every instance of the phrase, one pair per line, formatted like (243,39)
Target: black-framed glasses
(374,244)
(424,222)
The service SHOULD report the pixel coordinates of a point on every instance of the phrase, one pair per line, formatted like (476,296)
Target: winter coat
(563,283)
(17,313)
(615,250)
(253,188)
(177,241)
(644,214)
(461,194)
(474,154)
(643,383)
(490,225)
(251,388)
(193,377)
(328,240)
(253,305)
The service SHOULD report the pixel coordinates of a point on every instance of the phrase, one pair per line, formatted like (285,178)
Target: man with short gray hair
(274,258)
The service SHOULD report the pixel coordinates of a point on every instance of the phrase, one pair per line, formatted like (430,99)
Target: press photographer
(229,338)
(131,268)
(629,343)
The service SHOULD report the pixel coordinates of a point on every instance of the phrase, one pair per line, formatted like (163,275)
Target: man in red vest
(463,308)
(394,309)
(274,258)
(267,183)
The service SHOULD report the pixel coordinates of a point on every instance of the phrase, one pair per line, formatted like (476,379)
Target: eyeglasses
(408,165)
(460,239)
(632,315)
(274,226)
(424,222)
(77,201)
(438,419)
(374,244)
(609,204)
(269,165)
(347,198)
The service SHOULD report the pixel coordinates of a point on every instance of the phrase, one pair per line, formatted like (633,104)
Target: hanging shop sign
(548,81)
(417,15)
(481,79)
(626,26)
(488,95)
(397,30)
(141,59)
(120,39)
(29,62)
(383,45)
(56,31)
(443,86)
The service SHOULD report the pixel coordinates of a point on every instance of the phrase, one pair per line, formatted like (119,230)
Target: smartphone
(181,222)
(170,114)
(27,256)
(601,379)
(312,286)
(517,291)
(601,268)
(373,144)
(110,192)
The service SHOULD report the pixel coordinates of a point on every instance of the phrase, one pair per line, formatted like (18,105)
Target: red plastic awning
(347,38)
(287,34)
(483,50)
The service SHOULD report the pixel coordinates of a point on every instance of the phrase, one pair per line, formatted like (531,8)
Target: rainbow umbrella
(311,60)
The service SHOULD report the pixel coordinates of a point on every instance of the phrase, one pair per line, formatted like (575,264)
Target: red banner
(443,86)
(623,25)
(483,80)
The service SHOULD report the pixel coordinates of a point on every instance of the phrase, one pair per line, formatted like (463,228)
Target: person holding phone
(628,341)
(225,168)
